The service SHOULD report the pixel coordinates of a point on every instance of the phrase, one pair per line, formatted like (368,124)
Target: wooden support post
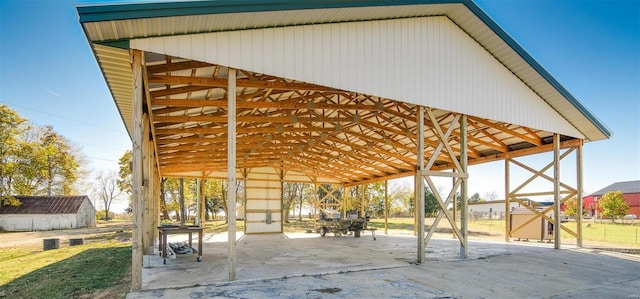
(156,202)
(455,200)
(362,201)
(198,218)
(344,201)
(231,172)
(315,202)
(137,61)
(415,204)
(464,254)
(147,215)
(282,211)
(507,200)
(245,178)
(203,202)
(386,205)
(419,205)
(556,190)
(579,195)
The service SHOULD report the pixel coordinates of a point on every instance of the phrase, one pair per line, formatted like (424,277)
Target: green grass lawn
(68,272)
(605,232)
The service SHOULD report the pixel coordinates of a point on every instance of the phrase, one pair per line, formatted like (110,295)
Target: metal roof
(113,24)
(46,205)
(625,187)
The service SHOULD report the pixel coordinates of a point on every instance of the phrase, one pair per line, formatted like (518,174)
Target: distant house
(494,209)
(48,213)
(630,191)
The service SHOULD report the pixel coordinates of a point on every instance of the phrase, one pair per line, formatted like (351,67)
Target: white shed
(48,213)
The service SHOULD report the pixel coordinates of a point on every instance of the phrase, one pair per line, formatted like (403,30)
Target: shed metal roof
(626,188)
(46,205)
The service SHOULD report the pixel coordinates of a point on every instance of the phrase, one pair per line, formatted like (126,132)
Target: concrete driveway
(308,266)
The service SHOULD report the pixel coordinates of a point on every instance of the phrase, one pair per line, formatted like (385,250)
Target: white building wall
(263,197)
(37,222)
(86,216)
(428,61)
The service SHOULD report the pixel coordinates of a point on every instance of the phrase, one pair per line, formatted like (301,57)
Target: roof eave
(172,9)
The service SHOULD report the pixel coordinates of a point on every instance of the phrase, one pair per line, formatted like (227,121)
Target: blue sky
(49,75)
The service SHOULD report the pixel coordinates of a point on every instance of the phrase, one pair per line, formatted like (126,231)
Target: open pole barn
(329,92)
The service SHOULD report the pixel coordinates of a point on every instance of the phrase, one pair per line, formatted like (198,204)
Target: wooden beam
(556,189)
(137,61)
(178,66)
(231,174)
(241,83)
(419,205)
(533,140)
(507,196)
(464,252)
(579,187)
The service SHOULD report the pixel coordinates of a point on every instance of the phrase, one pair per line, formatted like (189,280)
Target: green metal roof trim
(172,9)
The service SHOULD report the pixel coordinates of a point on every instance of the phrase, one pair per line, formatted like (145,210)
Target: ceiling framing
(305,128)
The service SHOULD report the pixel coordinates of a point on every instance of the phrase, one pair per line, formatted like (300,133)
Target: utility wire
(67,118)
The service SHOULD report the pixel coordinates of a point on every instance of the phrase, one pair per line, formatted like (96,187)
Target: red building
(630,192)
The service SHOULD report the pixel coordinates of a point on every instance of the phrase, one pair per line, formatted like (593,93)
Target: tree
(12,126)
(613,205)
(571,207)
(431,206)
(124,177)
(35,160)
(46,163)
(107,190)
(475,198)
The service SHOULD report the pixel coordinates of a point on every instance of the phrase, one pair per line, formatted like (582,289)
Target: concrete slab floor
(308,266)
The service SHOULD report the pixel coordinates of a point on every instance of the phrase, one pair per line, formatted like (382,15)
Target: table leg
(199,245)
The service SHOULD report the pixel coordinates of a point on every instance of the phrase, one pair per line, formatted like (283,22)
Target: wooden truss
(313,130)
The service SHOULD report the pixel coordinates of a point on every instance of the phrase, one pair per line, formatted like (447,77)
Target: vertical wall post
(147,192)
(245,178)
(203,202)
(464,253)
(198,218)
(556,190)
(455,200)
(137,60)
(362,201)
(507,201)
(419,205)
(579,194)
(231,171)
(386,205)
(316,207)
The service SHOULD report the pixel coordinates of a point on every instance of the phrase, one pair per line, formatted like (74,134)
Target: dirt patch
(328,290)
(34,239)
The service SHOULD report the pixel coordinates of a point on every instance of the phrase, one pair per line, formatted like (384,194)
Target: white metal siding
(37,222)
(263,194)
(427,61)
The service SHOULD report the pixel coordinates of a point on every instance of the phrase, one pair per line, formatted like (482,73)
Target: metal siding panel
(268,53)
(499,94)
(198,49)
